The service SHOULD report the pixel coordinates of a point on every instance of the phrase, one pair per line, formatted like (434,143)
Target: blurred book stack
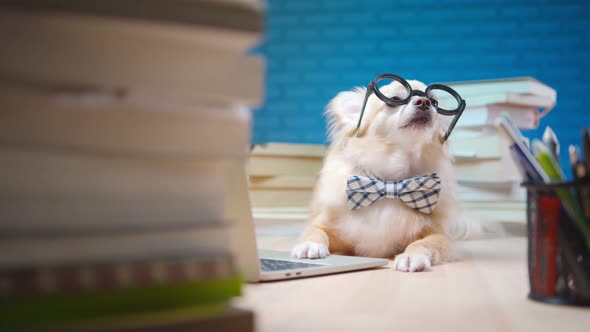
(281,180)
(119,123)
(489,181)
(284,175)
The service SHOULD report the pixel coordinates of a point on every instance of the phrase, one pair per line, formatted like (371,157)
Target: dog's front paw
(411,262)
(310,249)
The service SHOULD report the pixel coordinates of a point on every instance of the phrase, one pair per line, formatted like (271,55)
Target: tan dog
(393,143)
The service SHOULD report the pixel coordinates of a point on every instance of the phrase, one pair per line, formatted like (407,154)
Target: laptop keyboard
(278,265)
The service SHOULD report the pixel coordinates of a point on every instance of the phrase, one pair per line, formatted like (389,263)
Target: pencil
(567,197)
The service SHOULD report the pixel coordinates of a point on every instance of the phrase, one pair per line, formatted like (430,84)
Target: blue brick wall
(316,48)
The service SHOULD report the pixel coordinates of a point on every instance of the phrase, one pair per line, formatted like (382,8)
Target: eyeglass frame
(396,101)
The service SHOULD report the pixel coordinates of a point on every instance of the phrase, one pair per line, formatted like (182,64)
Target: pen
(526,160)
(547,238)
(551,142)
(568,199)
(517,156)
(580,171)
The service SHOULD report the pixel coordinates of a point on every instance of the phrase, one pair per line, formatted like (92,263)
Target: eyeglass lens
(444,99)
(396,92)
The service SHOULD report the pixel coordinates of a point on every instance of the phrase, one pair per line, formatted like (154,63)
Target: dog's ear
(343,112)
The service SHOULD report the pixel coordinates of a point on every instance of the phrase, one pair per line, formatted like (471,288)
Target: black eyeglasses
(444,93)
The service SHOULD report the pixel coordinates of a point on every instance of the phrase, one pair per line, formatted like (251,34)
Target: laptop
(269,265)
(279,265)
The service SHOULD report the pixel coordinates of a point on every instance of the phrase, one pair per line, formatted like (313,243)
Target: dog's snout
(422,103)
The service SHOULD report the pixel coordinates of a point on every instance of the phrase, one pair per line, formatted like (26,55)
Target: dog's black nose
(422,103)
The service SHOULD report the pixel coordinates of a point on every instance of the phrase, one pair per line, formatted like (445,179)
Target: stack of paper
(119,123)
(489,181)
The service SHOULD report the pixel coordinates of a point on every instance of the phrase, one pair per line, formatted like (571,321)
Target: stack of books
(284,175)
(489,181)
(117,134)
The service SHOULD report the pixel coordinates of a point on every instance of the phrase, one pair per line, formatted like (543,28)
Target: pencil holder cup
(557,251)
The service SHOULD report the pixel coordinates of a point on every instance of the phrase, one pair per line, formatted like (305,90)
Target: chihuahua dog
(392,143)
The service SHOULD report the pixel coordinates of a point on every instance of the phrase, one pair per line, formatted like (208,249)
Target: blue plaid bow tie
(420,193)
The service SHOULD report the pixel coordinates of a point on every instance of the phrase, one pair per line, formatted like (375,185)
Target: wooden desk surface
(485,291)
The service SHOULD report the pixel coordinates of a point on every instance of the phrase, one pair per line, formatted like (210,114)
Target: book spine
(103,124)
(94,248)
(115,275)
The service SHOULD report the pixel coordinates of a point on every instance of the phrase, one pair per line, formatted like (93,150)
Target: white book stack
(119,125)
(489,181)
(284,175)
